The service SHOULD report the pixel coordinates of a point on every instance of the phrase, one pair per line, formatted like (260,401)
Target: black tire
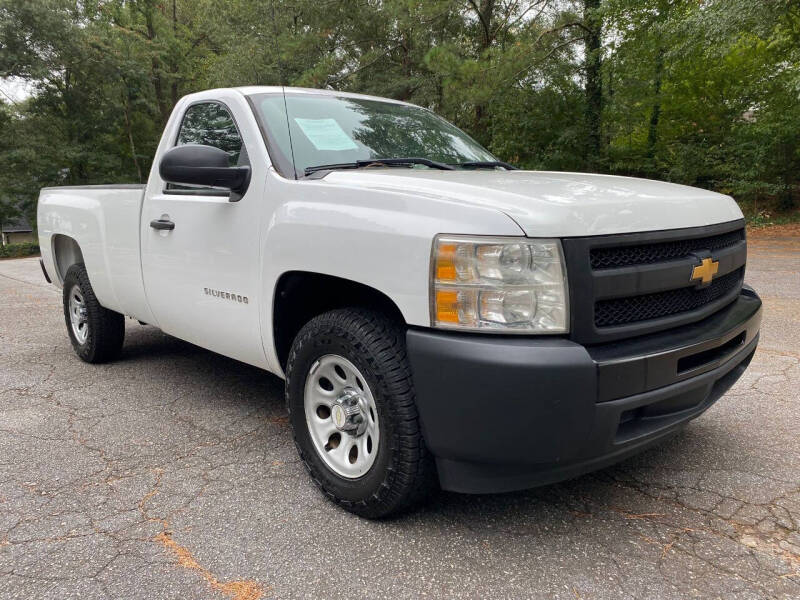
(403,473)
(106,328)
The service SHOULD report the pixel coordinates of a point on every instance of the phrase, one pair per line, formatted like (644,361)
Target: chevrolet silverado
(439,316)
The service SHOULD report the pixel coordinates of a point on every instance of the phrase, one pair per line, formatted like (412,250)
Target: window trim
(204,191)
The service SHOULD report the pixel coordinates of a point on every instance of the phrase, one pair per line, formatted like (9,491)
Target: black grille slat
(621,311)
(642,254)
(633,284)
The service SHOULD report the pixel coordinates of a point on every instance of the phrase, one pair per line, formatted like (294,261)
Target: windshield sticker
(326,134)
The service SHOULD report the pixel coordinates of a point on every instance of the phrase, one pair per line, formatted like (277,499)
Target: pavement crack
(244,589)
(238,590)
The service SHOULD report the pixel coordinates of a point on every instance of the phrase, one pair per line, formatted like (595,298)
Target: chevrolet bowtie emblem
(705,271)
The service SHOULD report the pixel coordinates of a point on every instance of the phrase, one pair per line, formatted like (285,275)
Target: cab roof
(251,90)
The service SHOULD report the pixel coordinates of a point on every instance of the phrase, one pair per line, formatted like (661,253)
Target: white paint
(371,226)
(550,204)
(215,245)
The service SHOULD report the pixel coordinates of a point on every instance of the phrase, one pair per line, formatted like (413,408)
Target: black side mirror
(195,164)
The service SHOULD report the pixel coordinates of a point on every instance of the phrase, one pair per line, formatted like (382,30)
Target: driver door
(202,277)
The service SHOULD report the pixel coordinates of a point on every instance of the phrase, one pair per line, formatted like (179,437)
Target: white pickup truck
(439,316)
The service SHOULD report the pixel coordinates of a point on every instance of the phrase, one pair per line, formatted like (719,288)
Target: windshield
(326,130)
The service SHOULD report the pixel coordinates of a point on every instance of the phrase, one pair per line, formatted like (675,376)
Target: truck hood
(555,204)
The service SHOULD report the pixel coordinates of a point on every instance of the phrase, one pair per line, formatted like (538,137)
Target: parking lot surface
(171,473)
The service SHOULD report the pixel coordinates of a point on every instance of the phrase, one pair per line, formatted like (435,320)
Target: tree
(699,93)
(593,24)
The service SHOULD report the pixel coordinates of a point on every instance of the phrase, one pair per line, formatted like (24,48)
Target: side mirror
(194,164)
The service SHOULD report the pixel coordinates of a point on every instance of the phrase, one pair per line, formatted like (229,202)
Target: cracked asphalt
(171,474)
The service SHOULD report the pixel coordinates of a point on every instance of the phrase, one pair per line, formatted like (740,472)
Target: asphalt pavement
(171,473)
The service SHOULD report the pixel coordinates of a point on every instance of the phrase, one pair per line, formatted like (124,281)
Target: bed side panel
(104,221)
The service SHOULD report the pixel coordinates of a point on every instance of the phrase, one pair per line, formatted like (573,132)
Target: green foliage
(702,93)
(19,250)
(725,79)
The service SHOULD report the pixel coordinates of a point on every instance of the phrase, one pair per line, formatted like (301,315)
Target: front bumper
(508,413)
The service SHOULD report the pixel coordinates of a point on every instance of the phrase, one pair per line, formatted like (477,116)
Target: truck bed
(104,220)
(100,186)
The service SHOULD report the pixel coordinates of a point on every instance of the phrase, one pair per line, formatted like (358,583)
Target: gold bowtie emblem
(705,271)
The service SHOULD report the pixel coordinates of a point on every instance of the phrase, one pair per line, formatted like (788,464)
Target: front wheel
(96,333)
(353,413)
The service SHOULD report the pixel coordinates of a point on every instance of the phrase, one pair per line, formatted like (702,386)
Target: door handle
(162,224)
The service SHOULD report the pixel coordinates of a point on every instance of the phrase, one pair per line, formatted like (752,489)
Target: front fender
(379,239)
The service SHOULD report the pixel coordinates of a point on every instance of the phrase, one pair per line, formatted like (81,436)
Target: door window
(210,124)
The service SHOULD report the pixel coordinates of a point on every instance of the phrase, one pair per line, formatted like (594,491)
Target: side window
(211,124)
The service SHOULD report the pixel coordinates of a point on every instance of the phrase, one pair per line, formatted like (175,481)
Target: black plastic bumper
(508,413)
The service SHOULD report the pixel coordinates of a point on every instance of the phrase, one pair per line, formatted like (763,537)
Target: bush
(19,250)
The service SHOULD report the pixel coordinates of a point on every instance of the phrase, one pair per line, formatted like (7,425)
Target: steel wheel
(341,416)
(356,427)
(78,314)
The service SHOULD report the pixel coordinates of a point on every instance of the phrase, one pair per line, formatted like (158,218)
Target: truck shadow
(643,487)
(195,368)
(629,489)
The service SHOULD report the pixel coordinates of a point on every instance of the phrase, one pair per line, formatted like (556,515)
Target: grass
(19,250)
(765,219)
(767,213)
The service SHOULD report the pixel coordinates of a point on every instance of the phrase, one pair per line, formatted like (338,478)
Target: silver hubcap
(341,416)
(77,315)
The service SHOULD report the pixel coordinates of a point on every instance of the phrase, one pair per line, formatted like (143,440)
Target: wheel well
(300,296)
(66,252)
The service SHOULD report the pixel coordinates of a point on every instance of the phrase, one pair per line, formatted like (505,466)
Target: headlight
(507,285)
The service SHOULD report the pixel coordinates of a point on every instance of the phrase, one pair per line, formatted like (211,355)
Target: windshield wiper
(487,164)
(389,162)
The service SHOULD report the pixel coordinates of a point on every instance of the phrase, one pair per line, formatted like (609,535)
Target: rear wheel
(353,413)
(96,333)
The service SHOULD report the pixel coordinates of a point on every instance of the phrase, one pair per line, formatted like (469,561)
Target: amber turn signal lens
(447,306)
(445,263)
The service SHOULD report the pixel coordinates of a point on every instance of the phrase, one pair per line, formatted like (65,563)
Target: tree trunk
(485,16)
(485,11)
(155,63)
(406,40)
(655,115)
(126,100)
(594,85)
(174,66)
